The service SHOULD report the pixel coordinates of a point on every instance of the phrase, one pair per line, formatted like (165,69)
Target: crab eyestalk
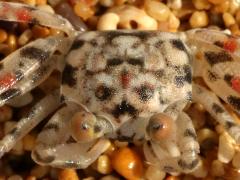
(87,127)
(160,127)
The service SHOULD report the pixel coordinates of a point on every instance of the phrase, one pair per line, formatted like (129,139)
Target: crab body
(126,85)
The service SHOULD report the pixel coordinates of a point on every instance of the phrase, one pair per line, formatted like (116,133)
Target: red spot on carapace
(23,15)
(125,79)
(236,83)
(7,80)
(230,45)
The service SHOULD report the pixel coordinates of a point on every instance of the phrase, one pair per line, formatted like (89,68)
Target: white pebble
(226,149)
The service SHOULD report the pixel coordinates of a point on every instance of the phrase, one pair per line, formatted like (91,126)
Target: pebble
(3,35)
(5,113)
(29,142)
(154,173)
(228,19)
(128,163)
(65,10)
(109,177)
(207,138)
(15,177)
(104,164)
(226,149)
(198,19)
(217,168)
(157,10)
(40,171)
(68,174)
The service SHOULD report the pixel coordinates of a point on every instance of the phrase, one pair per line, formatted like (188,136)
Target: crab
(125,84)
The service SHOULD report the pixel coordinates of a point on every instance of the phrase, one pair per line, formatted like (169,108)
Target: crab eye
(104,93)
(160,126)
(145,92)
(83,126)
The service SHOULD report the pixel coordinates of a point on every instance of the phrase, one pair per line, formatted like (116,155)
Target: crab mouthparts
(124,108)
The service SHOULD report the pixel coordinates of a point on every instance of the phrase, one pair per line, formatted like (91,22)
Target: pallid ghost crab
(127,85)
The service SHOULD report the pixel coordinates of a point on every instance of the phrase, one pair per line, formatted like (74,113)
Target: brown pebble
(40,171)
(5,113)
(40,32)
(3,35)
(68,174)
(128,163)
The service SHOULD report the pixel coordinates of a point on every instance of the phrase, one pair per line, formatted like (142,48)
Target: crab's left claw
(56,145)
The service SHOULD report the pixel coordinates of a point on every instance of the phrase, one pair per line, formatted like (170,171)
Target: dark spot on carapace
(114,62)
(177,43)
(69,75)
(235,102)
(217,109)
(9,94)
(189,96)
(188,73)
(35,53)
(159,44)
(110,35)
(145,93)
(123,108)
(217,57)
(93,42)
(104,93)
(77,44)
(136,62)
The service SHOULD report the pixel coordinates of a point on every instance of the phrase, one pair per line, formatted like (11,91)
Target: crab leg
(30,65)
(212,104)
(218,62)
(23,13)
(59,149)
(179,154)
(40,111)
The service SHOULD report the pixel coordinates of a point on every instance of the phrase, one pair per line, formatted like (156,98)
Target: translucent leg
(27,67)
(40,111)
(212,104)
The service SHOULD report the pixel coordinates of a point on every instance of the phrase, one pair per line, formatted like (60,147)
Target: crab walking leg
(179,154)
(23,13)
(217,61)
(40,111)
(56,147)
(212,104)
(27,67)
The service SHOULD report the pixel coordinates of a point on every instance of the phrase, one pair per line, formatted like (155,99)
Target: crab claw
(160,127)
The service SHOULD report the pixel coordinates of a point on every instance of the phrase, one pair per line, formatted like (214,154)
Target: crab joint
(86,127)
(160,127)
